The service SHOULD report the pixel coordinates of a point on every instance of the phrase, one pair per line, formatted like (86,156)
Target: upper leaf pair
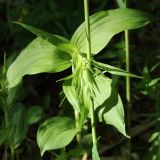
(55,55)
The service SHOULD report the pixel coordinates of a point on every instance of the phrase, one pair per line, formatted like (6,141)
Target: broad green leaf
(59,41)
(108,104)
(113,70)
(39,56)
(34,114)
(95,155)
(55,133)
(105,24)
(18,124)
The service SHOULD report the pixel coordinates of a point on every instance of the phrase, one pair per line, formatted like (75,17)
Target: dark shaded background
(62,17)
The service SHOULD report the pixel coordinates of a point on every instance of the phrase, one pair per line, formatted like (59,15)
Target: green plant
(150,87)
(16,118)
(91,94)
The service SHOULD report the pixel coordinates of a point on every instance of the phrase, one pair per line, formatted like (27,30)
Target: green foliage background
(62,18)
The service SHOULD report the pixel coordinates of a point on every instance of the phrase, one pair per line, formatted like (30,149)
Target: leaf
(87,142)
(59,41)
(18,124)
(120,3)
(14,94)
(108,104)
(105,24)
(95,155)
(34,114)
(69,91)
(154,136)
(4,135)
(113,70)
(153,82)
(55,133)
(38,57)
(66,78)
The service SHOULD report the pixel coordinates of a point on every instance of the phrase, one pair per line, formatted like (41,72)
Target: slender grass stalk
(128,86)
(128,81)
(87,26)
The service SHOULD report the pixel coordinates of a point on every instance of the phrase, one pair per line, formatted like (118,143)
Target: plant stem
(128,86)
(87,26)
(12,151)
(6,126)
(94,138)
(78,135)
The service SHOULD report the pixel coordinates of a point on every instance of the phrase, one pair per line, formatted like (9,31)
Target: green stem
(78,135)
(87,26)
(128,86)
(12,151)
(128,92)
(94,138)
(6,126)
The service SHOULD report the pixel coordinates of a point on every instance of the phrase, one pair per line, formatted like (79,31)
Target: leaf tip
(42,152)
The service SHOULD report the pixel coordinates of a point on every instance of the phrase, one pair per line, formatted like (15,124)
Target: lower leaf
(108,104)
(55,133)
(18,124)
